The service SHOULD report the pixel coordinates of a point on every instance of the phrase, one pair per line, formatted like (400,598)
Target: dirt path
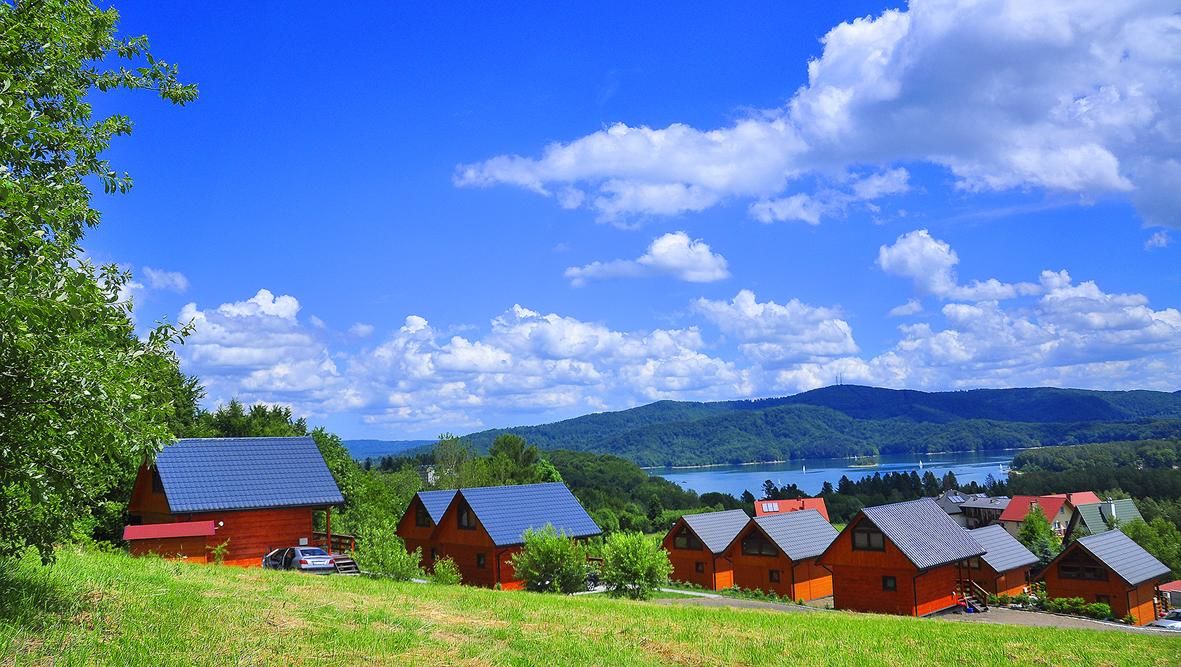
(1043,620)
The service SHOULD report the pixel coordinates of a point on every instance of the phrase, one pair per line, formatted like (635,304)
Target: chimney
(1111,509)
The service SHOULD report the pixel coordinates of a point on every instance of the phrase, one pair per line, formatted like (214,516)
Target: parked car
(1170,621)
(304,559)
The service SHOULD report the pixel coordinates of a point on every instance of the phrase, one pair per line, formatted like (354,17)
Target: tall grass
(107,608)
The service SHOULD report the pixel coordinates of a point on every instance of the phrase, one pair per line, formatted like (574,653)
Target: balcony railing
(341,544)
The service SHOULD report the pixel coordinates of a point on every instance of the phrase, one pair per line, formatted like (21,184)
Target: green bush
(634,565)
(445,571)
(380,551)
(1099,610)
(551,562)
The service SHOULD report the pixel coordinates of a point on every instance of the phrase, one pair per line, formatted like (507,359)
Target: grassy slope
(108,608)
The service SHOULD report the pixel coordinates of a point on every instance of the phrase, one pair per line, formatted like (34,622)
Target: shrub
(380,551)
(446,571)
(634,565)
(218,553)
(1004,598)
(1099,610)
(551,562)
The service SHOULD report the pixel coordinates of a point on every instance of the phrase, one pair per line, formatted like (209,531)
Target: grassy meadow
(108,608)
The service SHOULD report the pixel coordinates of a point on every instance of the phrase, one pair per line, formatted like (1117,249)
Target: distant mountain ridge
(847,420)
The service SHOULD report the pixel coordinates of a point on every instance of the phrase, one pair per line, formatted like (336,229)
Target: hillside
(111,609)
(851,420)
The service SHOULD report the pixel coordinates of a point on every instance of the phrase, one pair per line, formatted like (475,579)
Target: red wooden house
(1108,567)
(778,554)
(769,507)
(697,545)
(1004,567)
(418,523)
(251,494)
(481,528)
(902,558)
(1059,509)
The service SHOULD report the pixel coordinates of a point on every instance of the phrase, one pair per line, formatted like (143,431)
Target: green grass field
(108,608)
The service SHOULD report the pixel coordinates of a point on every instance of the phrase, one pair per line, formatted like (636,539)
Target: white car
(1170,621)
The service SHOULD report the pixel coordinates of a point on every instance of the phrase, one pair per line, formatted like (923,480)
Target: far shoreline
(705,466)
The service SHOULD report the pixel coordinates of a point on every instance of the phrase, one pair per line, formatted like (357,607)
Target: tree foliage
(1038,536)
(83,398)
(634,565)
(382,552)
(551,562)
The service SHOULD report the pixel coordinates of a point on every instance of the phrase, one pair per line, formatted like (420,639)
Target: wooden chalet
(1004,567)
(769,507)
(481,528)
(1108,567)
(697,545)
(251,494)
(418,523)
(904,558)
(777,553)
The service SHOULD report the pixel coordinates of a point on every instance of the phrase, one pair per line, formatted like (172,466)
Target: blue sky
(465,216)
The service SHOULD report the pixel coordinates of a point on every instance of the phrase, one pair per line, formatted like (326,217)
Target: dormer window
(686,540)
(422,518)
(467,520)
(757,545)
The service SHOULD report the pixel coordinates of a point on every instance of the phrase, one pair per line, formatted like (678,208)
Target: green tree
(1159,538)
(83,398)
(1038,536)
(380,551)
(512,460)
(634,565)
(551,562)
(456,465)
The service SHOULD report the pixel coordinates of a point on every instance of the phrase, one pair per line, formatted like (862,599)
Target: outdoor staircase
(346,565)
(973,595)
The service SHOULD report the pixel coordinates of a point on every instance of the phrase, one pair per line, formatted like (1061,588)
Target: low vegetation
(111,609)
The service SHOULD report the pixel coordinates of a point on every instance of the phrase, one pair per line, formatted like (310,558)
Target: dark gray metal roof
(998,503)
(801,535)
(923,532)
(506,512)
(950,501)
(717,530)
(1002,551)
(1129,560)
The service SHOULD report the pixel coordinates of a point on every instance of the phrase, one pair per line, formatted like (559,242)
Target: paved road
(1038,619)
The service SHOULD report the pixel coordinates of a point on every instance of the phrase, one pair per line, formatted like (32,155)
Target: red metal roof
(769,507)
(1083,498)
(1171,587)
(1051,504)
(153,531)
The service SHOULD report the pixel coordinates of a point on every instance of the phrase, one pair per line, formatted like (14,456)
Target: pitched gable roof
(205,474)
(436,502)
(1095,517)
(506,512)
(801,535)
(923,532)
(1126,558)
(769,507)
(1019,507)
(1002,551)
(717,530)
(996,503)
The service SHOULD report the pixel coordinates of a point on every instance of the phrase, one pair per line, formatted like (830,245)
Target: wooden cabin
(258,494)
(1108,567)
(481,528)
(902,558)
(1004,567)
(777,553)
(419,521)
(769,507)
(697,545)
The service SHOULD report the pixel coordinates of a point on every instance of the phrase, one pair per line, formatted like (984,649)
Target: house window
(157,483)
(868,538)
(1103,599)
(774,574)
(889,584)
(974,563)
(467,520)
(481,561)
(422,518)
(686,540)
(699,566)
(1080,566)
(756,545)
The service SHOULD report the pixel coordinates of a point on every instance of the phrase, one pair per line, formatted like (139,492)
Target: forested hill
(850,420)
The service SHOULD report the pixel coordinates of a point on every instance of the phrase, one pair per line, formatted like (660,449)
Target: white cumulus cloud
(674,255)
(167,280)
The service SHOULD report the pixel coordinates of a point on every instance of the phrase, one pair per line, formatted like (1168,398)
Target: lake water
(810,475)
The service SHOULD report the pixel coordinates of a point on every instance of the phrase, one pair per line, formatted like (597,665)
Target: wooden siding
(797,581)
(192,549)
(465,547)
(811,581)
(415,536)
(857,579)
(253,533)
(148,505)
(1012,582)
(718,570)
(1139,601)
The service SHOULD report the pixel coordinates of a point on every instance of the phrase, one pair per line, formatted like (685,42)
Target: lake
(811,475)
